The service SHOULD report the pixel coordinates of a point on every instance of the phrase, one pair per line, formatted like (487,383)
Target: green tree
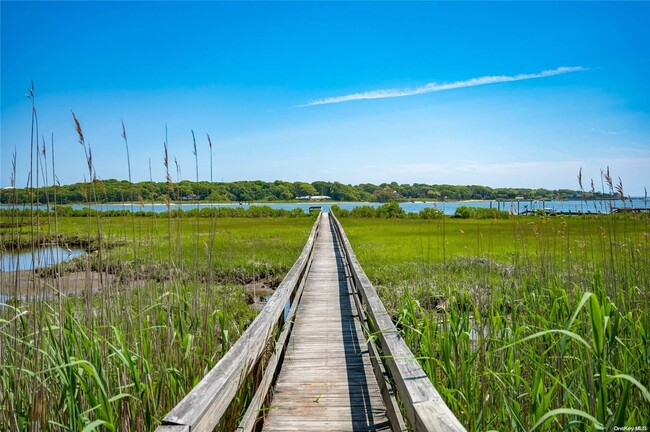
(392,210)
(386,194)
(304,189)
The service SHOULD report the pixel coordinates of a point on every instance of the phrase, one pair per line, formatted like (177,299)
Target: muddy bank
(258,293)
(25,284)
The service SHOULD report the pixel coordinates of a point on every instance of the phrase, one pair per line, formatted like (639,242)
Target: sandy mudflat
(26,283)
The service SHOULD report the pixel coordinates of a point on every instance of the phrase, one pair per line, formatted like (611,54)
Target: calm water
(410,207)
(43,257)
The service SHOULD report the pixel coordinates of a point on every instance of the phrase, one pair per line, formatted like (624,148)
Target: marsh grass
(531,323)
(152,336)
(163,300)
(522,323)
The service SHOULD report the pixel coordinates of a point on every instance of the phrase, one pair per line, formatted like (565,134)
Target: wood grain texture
(202,408)
(425,409)
(168,428)
(326,381)
(249,421)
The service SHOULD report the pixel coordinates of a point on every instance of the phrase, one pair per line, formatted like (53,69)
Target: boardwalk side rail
(424,408)
(203,407)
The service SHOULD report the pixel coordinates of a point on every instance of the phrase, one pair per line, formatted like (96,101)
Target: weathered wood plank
(172,428)
(326,381)
(249,418)
(316,394)
(328,425)
(425,409)
(327,400)
(202,408)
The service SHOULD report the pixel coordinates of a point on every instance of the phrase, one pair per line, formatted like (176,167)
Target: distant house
(314,198)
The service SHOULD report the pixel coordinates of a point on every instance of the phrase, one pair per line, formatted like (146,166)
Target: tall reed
(531,323)
(152,318)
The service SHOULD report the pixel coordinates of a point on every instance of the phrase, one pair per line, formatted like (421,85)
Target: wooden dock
(310,362)
(326,381)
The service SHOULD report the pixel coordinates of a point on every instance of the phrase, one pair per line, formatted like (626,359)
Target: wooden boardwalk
(309,363)
(326,381)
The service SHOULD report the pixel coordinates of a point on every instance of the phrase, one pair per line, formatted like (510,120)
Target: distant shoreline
(328,202)
(332,202)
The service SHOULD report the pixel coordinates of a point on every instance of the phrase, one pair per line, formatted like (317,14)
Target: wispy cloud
(435,87)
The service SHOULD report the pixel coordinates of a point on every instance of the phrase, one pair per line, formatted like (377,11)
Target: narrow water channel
(44,256)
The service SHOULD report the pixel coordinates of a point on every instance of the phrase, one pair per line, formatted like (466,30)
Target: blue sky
(525,93)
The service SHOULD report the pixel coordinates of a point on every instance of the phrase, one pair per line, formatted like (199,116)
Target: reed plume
(580,179)
(619,190)
(210,145)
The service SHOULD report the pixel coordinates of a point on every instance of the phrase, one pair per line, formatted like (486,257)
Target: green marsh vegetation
(114,339)
(139,333)
(522,323)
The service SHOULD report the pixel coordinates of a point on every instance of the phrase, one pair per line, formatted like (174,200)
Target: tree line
(257,211)
(392,210)
(105,191)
